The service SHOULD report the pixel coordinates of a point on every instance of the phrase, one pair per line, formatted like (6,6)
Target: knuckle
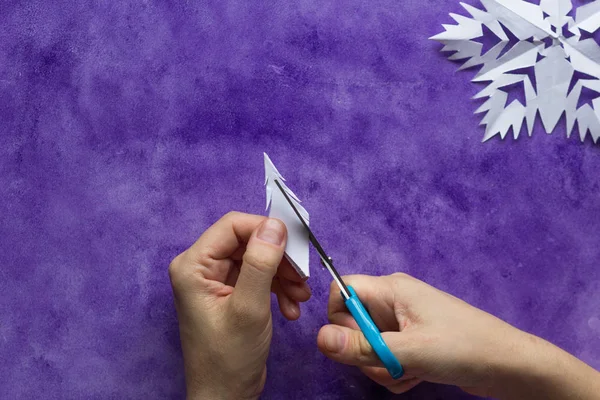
(401,279)
(260,260)
(203,256)
(183,273)
(354,279)
(401,275)
(363,348)
(404,283)
(231,215)
(175,268)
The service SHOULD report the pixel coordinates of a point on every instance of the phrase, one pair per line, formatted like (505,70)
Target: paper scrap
(550,41)
(296,249)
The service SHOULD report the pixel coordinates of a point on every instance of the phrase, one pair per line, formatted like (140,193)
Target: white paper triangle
(296,249)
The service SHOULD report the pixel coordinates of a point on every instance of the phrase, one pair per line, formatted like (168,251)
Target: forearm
(540,370)
(200,386)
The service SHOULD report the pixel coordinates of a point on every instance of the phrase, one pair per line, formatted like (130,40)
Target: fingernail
(295,309)
(272,231)
(335,340)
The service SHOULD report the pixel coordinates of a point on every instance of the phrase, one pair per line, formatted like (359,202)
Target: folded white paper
(545,46)
(296,249)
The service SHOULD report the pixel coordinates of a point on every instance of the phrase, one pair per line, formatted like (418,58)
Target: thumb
(262,257)
(349,346)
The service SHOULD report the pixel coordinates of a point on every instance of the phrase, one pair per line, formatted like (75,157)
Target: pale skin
(223,283)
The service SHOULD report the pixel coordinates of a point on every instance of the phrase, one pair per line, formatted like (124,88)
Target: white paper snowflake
(549,41)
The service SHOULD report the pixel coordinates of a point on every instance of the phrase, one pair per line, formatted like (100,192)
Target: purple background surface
(129,127)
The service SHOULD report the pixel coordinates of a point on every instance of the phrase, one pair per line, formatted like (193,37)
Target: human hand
(222,288)
(440,338)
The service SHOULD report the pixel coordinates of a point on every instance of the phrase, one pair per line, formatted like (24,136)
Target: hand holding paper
(222,286)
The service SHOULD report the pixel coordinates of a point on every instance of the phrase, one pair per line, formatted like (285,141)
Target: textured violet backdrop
(129,127)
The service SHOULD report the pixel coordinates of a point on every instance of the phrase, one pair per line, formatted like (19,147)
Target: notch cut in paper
(296,249)
(553,41)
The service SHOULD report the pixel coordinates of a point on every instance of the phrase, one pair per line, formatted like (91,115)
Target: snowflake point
(534,72)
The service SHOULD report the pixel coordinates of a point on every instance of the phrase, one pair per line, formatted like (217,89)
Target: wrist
(201,387)
(212,394)
(217,392)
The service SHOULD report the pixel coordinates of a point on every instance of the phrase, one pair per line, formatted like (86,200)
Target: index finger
(377,295)
(225,236)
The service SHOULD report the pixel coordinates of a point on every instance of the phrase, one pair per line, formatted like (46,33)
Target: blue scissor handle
(373,335)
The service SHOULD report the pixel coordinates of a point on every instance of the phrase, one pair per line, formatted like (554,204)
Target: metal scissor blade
(324,258)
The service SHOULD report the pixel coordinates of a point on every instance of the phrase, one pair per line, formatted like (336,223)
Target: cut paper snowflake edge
(543,45)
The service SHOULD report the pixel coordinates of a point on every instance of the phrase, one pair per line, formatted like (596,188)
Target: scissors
(353,303)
